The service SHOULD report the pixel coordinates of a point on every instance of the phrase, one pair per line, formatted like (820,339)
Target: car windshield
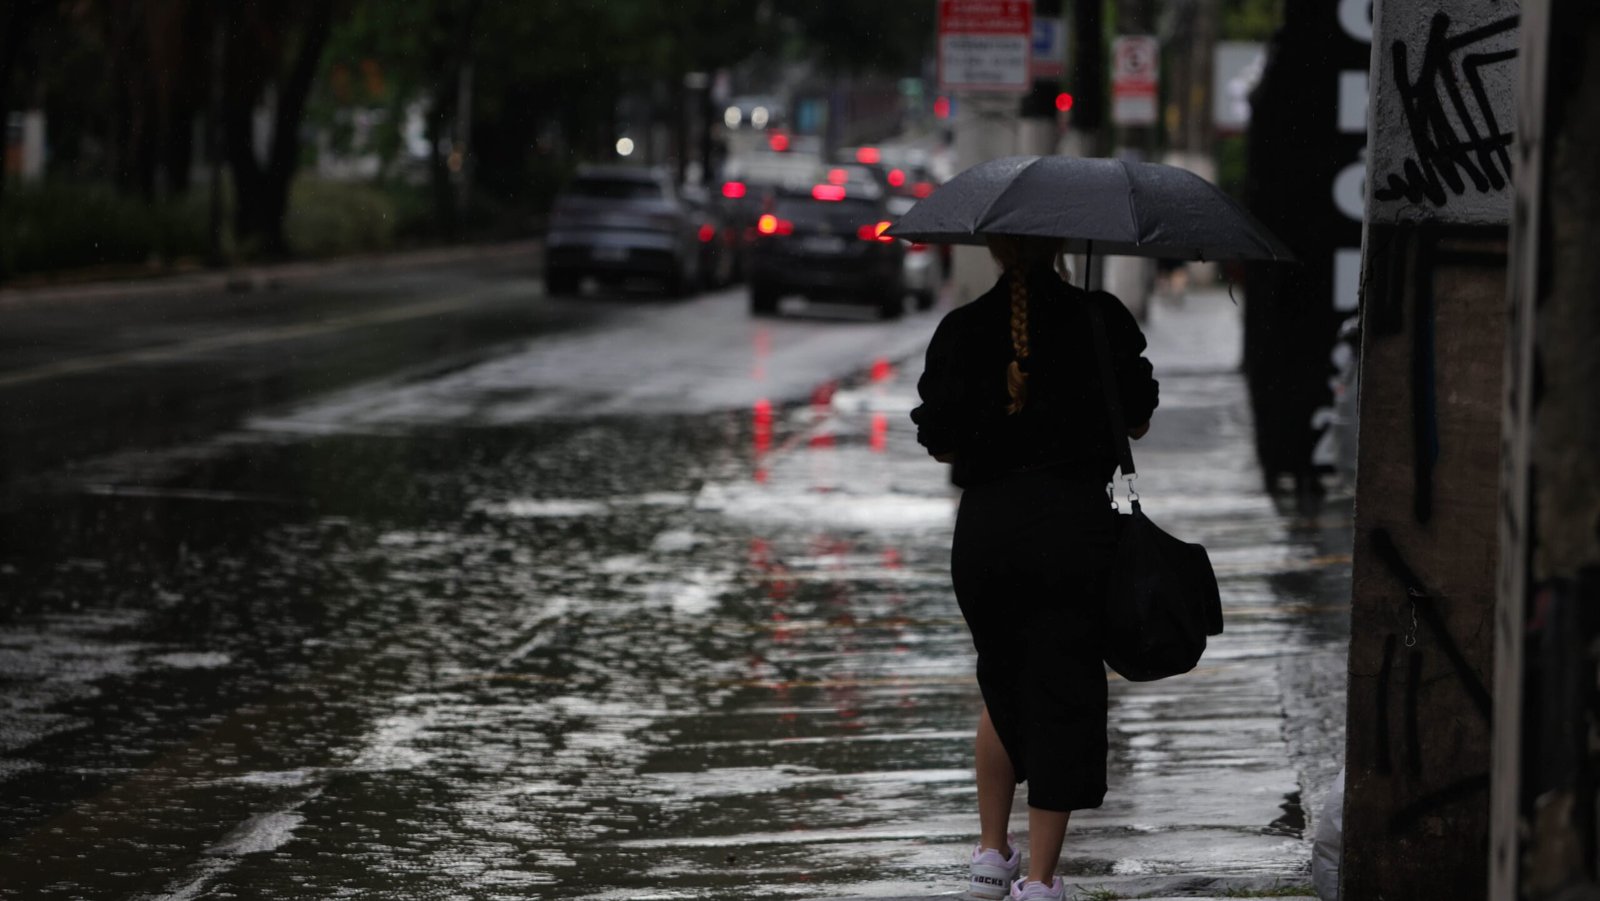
(837,215)
(616,188)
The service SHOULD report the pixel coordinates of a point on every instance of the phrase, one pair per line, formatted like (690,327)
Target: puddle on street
(678,657)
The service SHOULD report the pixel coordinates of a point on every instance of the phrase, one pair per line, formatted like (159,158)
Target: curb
(264,277)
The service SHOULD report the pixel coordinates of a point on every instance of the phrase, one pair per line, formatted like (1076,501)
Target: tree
(271,53)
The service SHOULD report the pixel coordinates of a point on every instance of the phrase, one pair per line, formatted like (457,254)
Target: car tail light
(875,232)
(828,192)
(769,224)
(837,176)
(868,155)
(897,177)
(922,188)
(778,142)
(917,248)
(707,232)
(734,189)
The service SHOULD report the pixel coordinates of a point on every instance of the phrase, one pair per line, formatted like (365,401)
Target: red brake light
(769,224)
(1063,101)
(733,189)
(837,176)
(707,232)
(923,188)
(867,155)
(897,177)
(941,108)
(875,232)
(778,142)
(828,192)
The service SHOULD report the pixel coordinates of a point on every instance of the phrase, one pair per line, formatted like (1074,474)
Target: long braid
(1016,378)
(1018,256)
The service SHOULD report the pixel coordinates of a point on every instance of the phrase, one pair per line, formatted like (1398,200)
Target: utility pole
(1088,120)
(1428,506)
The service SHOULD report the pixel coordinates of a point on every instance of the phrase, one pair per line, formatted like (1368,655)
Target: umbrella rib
(982,217)
(1133,215)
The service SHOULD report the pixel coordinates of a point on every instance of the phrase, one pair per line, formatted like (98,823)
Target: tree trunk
(262,191)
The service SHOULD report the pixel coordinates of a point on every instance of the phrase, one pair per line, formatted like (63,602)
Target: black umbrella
(1098,205)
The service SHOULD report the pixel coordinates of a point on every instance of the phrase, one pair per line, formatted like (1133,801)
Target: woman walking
(1012,398)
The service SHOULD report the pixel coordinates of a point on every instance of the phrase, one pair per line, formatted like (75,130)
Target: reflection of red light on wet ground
(763,426)
(881,370)
(892,558)
(822,395)
(761,475)
(824,439)
(880,432)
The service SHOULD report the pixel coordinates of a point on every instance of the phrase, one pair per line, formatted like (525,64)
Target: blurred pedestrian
(1012,399)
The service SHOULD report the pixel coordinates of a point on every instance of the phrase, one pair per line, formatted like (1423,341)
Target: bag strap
(1108,381)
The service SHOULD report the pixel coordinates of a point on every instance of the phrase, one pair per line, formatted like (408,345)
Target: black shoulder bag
(1162,600)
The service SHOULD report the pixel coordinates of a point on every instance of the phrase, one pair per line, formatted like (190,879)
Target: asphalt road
(88,372)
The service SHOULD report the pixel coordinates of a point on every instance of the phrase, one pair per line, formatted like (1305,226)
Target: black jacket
(1065,422)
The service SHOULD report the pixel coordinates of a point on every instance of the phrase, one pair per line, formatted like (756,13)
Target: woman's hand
(1138,431)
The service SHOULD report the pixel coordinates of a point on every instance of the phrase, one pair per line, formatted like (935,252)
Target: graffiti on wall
(1446,134)
(1422,611)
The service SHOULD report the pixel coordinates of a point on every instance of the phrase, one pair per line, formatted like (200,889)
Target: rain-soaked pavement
(657,608)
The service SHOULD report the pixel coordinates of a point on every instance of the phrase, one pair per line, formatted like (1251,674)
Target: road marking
(253,337)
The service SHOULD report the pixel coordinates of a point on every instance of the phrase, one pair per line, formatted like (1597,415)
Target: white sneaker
(1023,890)
(992,874)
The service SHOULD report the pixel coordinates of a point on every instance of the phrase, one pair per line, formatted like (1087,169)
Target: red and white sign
(985,45)
(1135,79)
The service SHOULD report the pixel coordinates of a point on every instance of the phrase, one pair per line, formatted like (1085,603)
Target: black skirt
(1029,564)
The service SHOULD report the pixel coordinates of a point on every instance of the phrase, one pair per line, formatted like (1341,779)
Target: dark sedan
(618,224)
(827,243)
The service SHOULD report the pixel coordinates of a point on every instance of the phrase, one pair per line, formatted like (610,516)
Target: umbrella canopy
(1100,206)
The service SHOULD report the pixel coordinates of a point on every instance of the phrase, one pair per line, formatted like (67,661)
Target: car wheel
(893,306)
(560,281)
(925,300)
(763,301)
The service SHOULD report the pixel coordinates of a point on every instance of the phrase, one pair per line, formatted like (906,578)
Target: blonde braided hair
(1017,255)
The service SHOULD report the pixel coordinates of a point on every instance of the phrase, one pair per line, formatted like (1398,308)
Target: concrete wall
(1442,118)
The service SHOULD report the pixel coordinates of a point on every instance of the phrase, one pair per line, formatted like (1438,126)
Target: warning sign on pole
(985,45)
(1135,78)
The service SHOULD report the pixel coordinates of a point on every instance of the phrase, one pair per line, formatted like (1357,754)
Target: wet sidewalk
(1214,775)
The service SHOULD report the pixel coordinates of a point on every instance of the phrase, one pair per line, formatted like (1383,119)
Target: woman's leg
(997,786)
(1047,829)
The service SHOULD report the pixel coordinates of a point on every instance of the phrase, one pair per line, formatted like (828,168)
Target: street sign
(1135,77)
(1049,47)
(984,45)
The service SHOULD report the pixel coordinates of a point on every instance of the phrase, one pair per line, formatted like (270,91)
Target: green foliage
(60,226)
(328,218)
(1250,20)
(71,225)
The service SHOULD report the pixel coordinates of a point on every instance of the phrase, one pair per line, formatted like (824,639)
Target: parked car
(826,242)
(721,244)
(924,265)
(618,224)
